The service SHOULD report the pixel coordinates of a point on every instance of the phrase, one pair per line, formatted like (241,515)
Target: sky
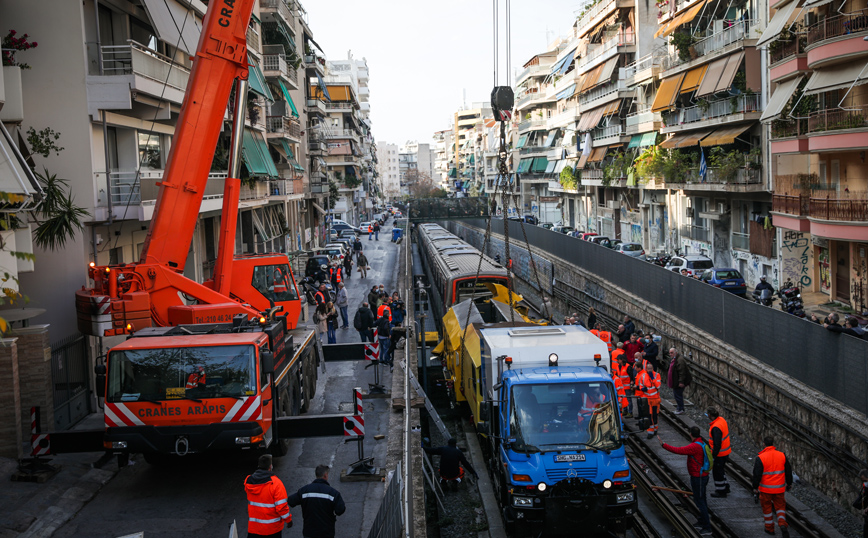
(422,56)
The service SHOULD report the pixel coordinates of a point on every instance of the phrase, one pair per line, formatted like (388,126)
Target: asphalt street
(201,495)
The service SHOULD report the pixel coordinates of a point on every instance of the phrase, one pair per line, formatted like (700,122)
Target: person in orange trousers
(772,478)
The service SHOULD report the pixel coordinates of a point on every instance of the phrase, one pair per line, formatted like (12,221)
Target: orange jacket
(195,379)
(267,510)
(623,373)
(619,389)
(649,386)
(774,465)
(615,354)
(384,308)
(720,424)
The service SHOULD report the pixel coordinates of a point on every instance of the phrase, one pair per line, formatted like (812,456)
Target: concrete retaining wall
(826,441)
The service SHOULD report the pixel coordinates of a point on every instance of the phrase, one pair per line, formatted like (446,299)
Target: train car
(452,264)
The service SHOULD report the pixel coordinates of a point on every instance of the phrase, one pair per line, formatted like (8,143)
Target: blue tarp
(566,93)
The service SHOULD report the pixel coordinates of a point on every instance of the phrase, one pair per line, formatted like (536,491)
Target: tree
(421,185)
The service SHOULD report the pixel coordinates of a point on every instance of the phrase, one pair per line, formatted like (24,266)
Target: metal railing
(643,115)
(601,7)
(602,91)
(129,187)
(606,132)
(791,204)
(787,50)
(338,105)
(848,210)
(723,107)
(527,124)
(282,124)
(532,149)
(593,174)
(529,95)
(738,31)
(315,59)
(277,62)
(620,39)
(253,39)
(836,119)
(697,233)
(646,62)
(532,70)
(740,241)
(137,59)
(789,128)
(837,26)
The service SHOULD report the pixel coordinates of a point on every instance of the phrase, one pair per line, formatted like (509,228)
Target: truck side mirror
(485,411)
(266,358)
(483,428)
(100,385)
(99,369)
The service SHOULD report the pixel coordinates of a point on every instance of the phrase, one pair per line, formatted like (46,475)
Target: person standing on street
(718,436)
(370,231)
(384,337)
(348,266)
(331,322)
(267,509)
(321,318)
(648,382)
(343,302)
(363,322)
(861,502)
(372,298)
(678,379)
(697,468)
(357,246)
(385,308)
(651,350)
(772,478)
(376,230)
(320,505)
(362,260)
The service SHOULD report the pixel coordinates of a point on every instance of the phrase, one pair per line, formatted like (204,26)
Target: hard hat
(324,267)
(763,278)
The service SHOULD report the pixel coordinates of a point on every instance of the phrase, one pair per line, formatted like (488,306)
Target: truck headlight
(522,502)
(607,484)
(541,486)
(119,444)
(242,440)
(625,497)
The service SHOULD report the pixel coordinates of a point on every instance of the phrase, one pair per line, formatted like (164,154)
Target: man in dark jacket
(629,326)
(376,230)
(851,327)
(384,336)
(651,350)
(451,460)
(266,502)
(363,322)
(679,377)
(372,298)
(320,505)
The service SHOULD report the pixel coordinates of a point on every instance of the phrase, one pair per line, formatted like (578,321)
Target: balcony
(532,150)
(785,51)
(531,124)
(741,104)
(745,179)
(132,67)
(697,233)
(134,194)
(740,30)
(642,117)
(740,241)
(316,105)
(316,62)
(529,95)
(281,7)
(564,117)
(602,91)
(831,207)
(836,26)
(275,65)
(339,106)
(605,51)
(282,125)
(539,70)
(612,131)
(838,119)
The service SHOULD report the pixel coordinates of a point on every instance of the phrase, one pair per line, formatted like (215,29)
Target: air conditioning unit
(612,204)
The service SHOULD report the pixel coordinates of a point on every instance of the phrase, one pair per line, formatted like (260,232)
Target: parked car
(546,225)
(563,229)
(340,226)
(333,252)
(313,264)
(588,235)
(347,234)
(725,278)
(601,240)
(631,249)
(364,226)
(344,246)
(693,263)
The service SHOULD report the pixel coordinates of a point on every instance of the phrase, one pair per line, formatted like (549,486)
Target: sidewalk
(29,509)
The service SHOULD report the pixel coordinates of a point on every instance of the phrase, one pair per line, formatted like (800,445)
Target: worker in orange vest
(605,336)
(267,509)
(619,350)
(622,369)
(648,381)
(385,309)
(196,379)
(621,392)
(718,436)
(591,400)
(772,477)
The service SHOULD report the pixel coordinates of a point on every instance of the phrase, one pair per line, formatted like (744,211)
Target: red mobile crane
(126,298)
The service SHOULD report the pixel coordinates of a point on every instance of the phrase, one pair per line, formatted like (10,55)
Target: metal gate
(70,375)
(389,521)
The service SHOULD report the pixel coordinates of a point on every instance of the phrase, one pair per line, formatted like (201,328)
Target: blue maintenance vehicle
(553,432)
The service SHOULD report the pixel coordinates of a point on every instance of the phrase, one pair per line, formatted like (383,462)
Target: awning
(318,208)
(607,70)
(642,140)
(590,119)
(453,172)
(712,76)
(611,108)
(693,78)
(550,139)
(539,165)
(285,31)
(522,140)
(598,154)
(583,160)
(684,140)
(837,77)
(288,98)
(322,87)
(810,4)
(291,156)
(680,20)
(550,167)
(257,79)
(726,135)
(563,65)
(667,93)
(175,24)
(634,142)
(254,152)
(17,180)
(728,74)
(779,20)
(566,93)
(782,95)
(524,165)
(560,166)
(591,78)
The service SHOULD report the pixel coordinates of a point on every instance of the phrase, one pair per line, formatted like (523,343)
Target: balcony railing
(836,119)
(282,7)
(740,241)
(723,107)
(129,187)
(601,6)
(282,124)
(620,39)
(137,59)
(339,105)
(784,51)
(836,26)
(646,62)
(315,60)
(789,128)
(602,91)
(532,70)
(735,32)
(798,204)
(253,40)
(532,149)
(607,132)
(529,95)
(568,114)
(697,233)
(848,210)
(643,115)
(277,62)
(528,124)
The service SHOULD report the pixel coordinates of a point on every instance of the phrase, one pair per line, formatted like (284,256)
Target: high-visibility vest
(615,354)
(335,273)
(623,374)
(720,424)
(195,379)
(384,308)
(606,336)
(620,391)
(774,466)
(650,385)
(319,297)
(267,509)
(589,404)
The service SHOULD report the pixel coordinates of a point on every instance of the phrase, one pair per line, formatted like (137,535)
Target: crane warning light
(262,320)
(129,326)
(108,270)
(92,264)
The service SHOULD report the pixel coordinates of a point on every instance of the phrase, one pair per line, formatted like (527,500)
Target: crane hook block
(502,100)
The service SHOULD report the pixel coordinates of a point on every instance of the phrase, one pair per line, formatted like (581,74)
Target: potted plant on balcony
(683,43)
(726,164)
(12,44)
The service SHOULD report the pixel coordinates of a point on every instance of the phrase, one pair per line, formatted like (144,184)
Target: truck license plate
(569,457)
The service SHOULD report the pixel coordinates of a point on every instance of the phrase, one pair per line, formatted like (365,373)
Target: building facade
(388,165)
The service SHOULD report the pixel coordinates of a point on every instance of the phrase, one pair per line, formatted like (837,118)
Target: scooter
(311,286)
(763,297)
(661,259)
(791,299)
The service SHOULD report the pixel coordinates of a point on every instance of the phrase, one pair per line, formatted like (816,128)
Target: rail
(282,124)
(600,7)
(646,62)
(607,132)
(740,241)
(137,59)
(789,128)
(853,209)
(131,187)
(620,39)
(528,124)
(785,51)
(736,32)
(836,26)
(602,91)
(740,104)
(835,119)
(277,62)
(697,233)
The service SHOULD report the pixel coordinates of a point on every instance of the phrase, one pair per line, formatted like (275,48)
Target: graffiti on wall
(636,233)
(797,258)
(825,270)
(689,246)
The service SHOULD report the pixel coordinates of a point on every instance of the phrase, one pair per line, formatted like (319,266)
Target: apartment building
(388,165)
(817,64)
(467,172)
(442,157)
(116,99)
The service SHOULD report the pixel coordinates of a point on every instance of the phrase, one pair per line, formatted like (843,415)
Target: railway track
(796,520)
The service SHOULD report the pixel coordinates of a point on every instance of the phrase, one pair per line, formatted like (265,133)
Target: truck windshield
(563,416)
(274,282)
(176,373)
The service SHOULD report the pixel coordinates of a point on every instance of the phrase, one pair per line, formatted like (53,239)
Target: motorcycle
(763,297)
(310,285)
(661,259)
(791,299)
